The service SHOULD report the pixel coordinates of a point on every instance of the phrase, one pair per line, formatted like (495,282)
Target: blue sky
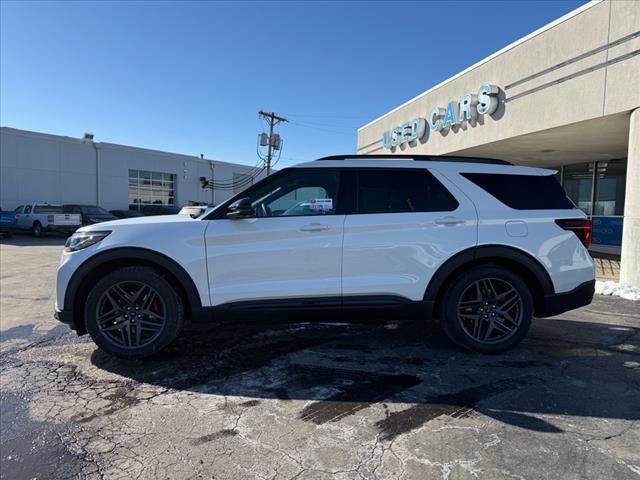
(190,77)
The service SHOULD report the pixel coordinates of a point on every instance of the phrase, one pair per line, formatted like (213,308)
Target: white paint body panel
(179,237)
(267,258)
(398,253)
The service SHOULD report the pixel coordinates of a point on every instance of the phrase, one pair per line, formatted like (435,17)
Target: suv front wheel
(487,309)
(133,312)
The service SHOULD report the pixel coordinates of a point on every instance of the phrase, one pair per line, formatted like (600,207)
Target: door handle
(314,227)
(449,221)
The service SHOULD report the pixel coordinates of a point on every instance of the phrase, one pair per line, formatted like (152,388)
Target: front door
(290,249)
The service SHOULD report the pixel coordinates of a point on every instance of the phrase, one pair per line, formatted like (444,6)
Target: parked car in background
(126,213)
(45,217)
(151,210)
(7,223)
(194,210)
(89,214)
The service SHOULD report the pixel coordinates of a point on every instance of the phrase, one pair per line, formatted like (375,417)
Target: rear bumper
(558,303)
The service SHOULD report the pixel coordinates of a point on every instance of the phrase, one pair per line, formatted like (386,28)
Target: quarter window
(402,191)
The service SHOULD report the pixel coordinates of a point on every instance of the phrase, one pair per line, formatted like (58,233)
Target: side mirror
(241,209)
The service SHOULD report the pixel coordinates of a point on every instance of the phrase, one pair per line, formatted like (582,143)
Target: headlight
(80,240)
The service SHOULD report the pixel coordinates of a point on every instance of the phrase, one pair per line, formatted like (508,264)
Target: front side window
(402,191)
(27,209)
(297,193)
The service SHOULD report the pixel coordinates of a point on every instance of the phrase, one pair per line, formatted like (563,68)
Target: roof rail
(419,158)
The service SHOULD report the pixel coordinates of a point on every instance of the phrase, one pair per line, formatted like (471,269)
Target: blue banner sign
(607,231)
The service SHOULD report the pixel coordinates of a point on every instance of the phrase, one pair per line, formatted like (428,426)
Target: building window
(610,188)
(578,183)
(241,181)
(151,188)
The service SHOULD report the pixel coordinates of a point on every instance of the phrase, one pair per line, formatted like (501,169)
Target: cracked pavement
(312,401)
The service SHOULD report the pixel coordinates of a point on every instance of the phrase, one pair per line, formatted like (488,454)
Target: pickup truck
(7,223)
(44,217)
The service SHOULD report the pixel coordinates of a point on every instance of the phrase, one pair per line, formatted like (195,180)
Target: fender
(474,254)
(132,253)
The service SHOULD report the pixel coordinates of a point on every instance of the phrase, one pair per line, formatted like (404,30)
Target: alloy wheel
(131,314)
(490,310)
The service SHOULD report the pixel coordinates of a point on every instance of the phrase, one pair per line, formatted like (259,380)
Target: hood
(131,222)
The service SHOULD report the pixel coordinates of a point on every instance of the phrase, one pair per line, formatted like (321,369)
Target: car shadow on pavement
(564,367)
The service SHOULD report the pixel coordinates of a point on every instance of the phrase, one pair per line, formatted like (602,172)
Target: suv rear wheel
(133,312)
(487,309)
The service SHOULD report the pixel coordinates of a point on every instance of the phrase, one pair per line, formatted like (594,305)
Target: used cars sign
(466,109)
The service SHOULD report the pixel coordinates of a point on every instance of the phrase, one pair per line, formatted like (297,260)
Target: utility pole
(274,142)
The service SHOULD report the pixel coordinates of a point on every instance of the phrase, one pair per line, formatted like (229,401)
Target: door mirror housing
(241,208)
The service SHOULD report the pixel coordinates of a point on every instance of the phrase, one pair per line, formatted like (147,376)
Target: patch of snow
(621,290)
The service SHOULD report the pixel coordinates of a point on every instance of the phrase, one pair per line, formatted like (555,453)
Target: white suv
(480,245)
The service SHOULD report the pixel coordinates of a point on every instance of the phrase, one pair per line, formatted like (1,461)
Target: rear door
(408,222)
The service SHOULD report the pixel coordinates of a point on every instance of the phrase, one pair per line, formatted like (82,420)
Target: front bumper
(558,303)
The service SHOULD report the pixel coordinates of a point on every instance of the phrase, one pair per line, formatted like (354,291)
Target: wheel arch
(101,264)
(520,262)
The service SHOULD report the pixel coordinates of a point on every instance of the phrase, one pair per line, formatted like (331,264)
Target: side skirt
(354,309)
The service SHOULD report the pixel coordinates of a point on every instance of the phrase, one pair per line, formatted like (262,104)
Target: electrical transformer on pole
(272,141)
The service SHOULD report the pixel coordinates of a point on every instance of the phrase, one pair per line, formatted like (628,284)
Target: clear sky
(190,77)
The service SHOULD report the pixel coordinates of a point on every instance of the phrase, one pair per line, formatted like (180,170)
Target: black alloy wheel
(134,312)
(487,309)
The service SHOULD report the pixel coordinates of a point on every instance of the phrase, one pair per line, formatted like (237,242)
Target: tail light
(50,218)
(580,226)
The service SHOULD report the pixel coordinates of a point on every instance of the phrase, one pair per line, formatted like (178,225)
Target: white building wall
(56,169)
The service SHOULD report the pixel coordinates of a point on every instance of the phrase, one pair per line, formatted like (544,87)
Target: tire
(487,309)
(158,307)
(37,230)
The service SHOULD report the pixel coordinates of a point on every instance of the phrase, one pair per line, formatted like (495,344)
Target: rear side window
(523,192)
(402,191)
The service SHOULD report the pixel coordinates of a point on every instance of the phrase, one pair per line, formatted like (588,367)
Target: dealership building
(39,167)
(565,97)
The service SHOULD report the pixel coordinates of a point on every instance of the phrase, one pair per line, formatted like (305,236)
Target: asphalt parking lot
(313,401)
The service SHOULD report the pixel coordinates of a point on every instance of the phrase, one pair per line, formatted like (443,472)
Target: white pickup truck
(44,217)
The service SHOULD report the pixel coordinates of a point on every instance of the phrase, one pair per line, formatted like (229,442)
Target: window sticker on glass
(322,205)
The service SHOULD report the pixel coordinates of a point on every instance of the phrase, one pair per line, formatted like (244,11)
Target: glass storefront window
(610,188)
(577,182)
(147,188)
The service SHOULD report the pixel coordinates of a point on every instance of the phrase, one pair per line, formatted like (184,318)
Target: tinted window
(27,209)
(398,191)
(523,192)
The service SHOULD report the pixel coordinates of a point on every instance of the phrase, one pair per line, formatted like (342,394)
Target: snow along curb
(619,290)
